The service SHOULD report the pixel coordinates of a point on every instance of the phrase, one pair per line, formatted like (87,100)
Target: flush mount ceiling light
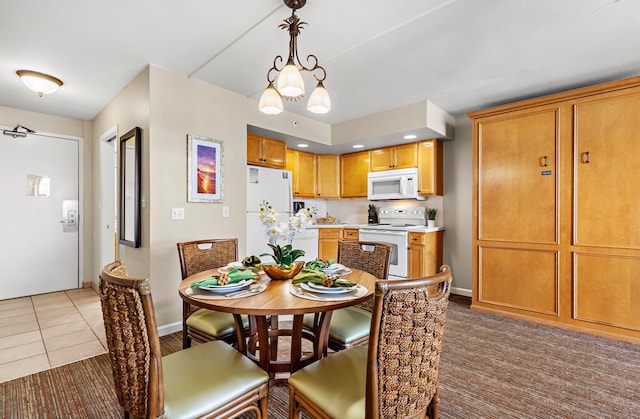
(42,84)
(289,80)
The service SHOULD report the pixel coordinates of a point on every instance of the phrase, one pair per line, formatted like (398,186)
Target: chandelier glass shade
(42,84)
(288,78)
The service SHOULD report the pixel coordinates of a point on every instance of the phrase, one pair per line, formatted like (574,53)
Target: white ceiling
(462,55)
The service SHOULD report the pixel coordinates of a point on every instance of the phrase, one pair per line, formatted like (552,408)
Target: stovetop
(399,218)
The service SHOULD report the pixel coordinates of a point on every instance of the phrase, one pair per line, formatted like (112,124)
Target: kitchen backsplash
(354,210)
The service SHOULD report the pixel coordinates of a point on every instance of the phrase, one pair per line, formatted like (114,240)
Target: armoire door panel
(607,170)
(517,179)
(607,290)
(519,278)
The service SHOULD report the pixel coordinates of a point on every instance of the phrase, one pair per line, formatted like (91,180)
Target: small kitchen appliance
(373,214)
(393,184)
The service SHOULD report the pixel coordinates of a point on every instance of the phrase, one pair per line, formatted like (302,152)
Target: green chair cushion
(337,383)
(213,323)
(204,377)
(347,324)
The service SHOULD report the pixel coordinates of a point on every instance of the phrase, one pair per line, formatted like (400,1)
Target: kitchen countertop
(419,229)
(424,229)
(337,225)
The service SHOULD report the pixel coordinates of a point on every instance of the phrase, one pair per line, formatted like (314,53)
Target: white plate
(325,290)
(223,289)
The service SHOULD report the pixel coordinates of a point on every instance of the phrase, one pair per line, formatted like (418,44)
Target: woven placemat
(358,292)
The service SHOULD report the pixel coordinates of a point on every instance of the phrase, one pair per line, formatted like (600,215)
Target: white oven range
(393,230)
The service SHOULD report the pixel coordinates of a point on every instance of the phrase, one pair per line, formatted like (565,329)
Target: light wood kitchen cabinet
(328,184)
(328,239)
(303,169)
(352,234)
(424,253)
(354,168)
(396,157)
(430,167)
(555,236)
(263,151)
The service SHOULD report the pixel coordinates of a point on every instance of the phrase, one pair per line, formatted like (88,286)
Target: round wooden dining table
(263,310)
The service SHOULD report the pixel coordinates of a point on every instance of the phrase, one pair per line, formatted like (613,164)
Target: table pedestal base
(261,342)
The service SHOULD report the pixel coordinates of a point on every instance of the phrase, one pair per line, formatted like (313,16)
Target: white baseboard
(461,291)
(168,329)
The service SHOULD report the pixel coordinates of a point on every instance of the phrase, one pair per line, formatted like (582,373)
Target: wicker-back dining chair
(208,380)
(200,324)
(350,326)
(396,375)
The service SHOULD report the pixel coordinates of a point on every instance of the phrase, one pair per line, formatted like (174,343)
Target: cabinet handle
(544,161)
(586,157)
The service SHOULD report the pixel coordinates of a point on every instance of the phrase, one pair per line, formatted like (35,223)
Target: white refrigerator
(273,186)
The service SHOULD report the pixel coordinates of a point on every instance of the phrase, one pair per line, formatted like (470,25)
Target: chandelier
(289,80)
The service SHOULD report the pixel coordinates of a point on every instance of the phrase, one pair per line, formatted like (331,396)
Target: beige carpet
(491,367)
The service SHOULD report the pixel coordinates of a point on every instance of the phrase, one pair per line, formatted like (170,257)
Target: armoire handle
(586,157)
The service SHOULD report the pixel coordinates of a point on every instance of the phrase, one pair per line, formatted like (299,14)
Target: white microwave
(393,184)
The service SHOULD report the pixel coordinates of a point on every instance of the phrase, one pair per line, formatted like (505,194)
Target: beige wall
(128,109)
(52,124)
(458,182)
(181,106)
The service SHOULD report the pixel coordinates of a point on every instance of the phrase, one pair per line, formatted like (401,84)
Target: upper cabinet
(303,169)
(354,168)
(328,185)
(345,176)
(263,151)
(429,167)
(396,157)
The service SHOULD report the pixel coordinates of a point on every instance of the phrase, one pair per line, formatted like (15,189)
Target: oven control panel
(403,215)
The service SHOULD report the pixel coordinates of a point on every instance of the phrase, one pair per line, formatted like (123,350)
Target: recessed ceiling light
(410,137)
(302,145)
(358,146)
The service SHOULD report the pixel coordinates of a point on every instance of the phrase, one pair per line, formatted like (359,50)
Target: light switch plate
(177,213)
(225,211)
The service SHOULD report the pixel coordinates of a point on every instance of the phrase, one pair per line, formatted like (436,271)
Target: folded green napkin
(316,277)
(236,275)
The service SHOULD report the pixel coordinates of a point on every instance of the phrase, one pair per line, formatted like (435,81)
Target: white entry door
(39,214)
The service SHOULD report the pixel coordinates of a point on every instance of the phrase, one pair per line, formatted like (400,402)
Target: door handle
(586,157)
(70,216)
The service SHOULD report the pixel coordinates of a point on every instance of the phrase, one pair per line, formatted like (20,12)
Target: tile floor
(49,330)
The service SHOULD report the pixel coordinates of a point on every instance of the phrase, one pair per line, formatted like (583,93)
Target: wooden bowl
(277,273)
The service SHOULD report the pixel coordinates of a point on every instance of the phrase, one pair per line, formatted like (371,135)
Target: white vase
(431,223)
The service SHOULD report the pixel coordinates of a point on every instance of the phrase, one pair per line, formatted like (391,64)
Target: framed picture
(204,169)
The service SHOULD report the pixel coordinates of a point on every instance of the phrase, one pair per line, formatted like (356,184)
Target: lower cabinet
(424,253)
(328,239)
(351,234)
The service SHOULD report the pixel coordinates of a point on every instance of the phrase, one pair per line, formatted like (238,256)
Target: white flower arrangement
(284,232)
